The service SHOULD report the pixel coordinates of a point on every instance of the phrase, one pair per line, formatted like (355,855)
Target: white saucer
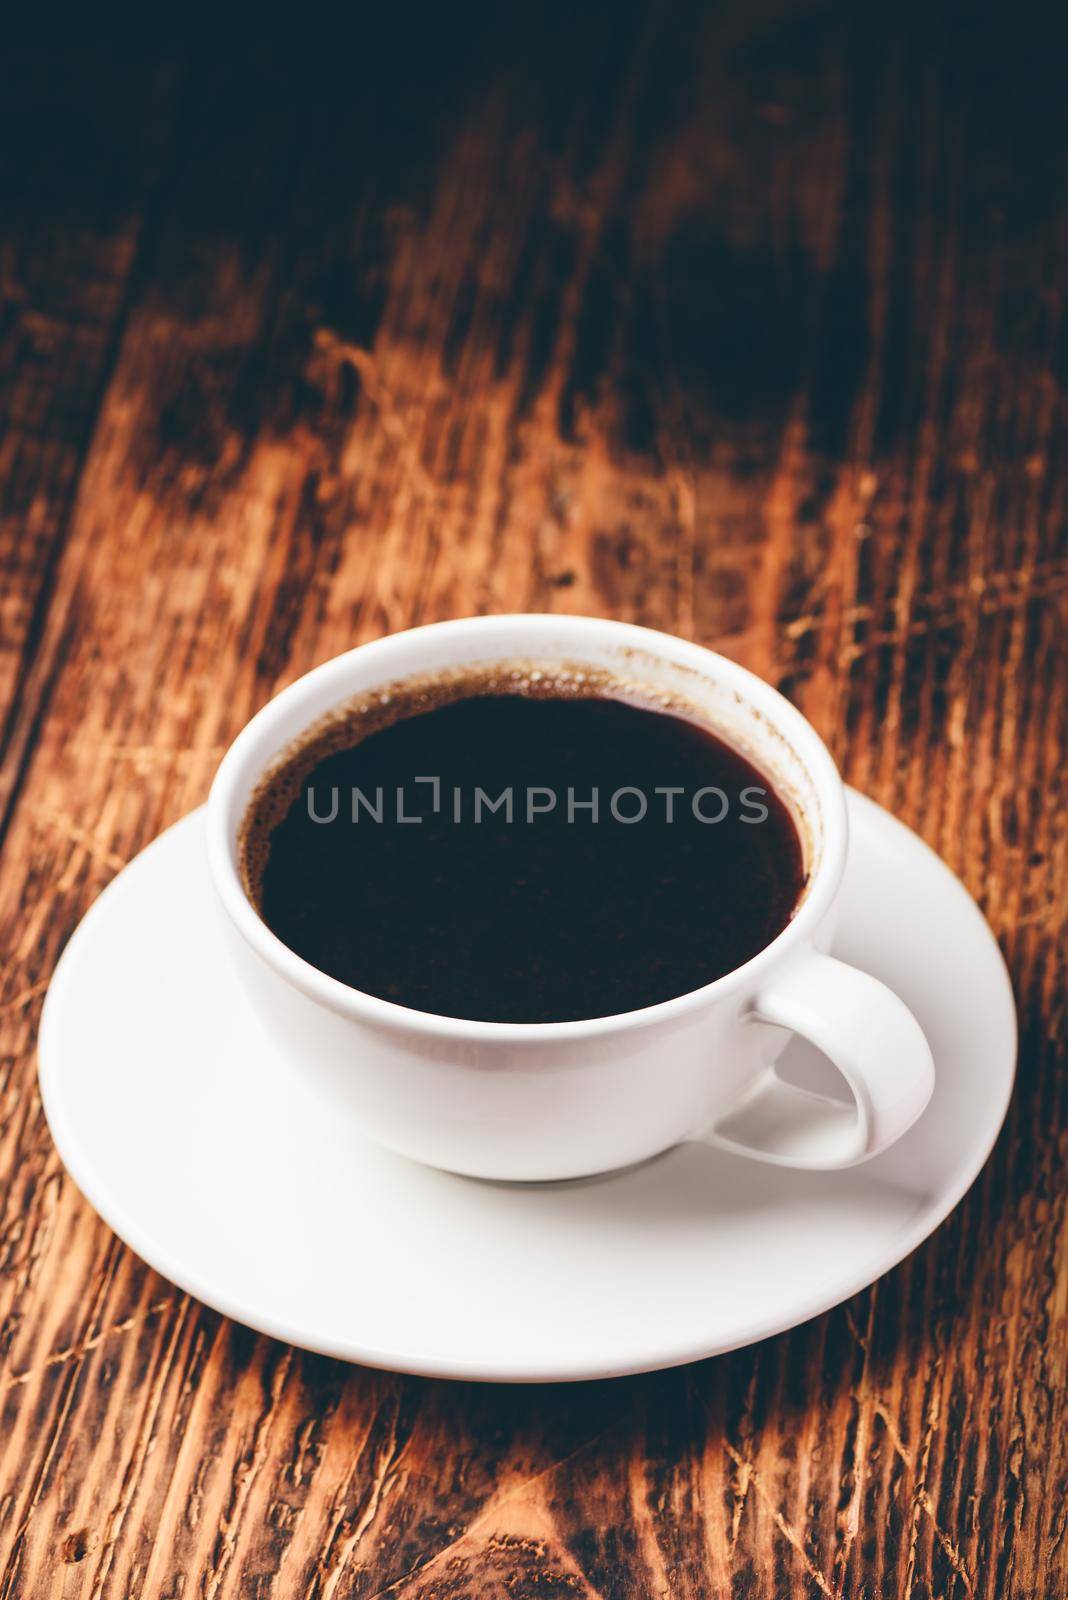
(210,1157)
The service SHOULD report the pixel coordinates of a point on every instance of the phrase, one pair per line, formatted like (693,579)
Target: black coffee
(523,847)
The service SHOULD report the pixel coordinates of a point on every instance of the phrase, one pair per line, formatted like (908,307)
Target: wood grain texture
(750,324)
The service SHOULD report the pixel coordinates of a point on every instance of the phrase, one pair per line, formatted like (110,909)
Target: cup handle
(870,1036)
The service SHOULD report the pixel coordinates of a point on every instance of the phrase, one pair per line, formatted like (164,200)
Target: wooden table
(749,324)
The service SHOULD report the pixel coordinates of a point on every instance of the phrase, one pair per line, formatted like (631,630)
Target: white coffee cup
(528,1101)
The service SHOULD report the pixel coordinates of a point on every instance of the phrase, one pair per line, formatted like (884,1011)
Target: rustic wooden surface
(750,324)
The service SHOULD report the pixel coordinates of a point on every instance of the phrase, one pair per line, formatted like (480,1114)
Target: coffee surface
(451,860)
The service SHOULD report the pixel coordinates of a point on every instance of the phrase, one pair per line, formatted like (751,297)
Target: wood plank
(744,325)
(64,281)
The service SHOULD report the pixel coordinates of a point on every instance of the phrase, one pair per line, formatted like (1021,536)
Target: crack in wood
(921,1498)
(76,1351)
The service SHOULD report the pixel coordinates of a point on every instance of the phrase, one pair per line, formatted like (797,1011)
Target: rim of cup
(282,720)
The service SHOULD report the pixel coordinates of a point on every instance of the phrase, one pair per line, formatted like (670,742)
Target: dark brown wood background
(751,324)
